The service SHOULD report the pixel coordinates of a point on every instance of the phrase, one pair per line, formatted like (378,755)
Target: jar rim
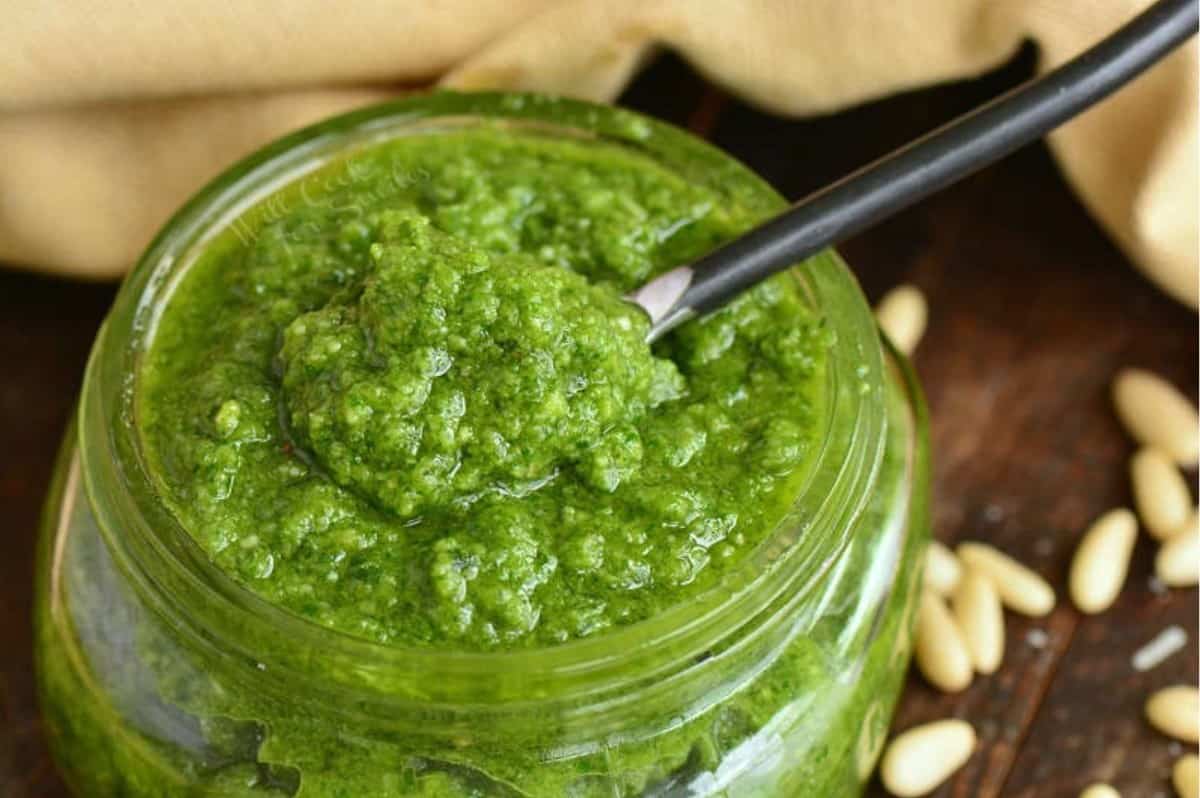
(167,563)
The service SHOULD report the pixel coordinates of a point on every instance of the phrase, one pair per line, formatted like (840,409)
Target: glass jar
(161,676)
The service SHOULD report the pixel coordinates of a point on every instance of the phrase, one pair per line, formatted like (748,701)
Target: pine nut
(902,313)
(942,569)
(1178,561)
(1185,776)
(1020,588)
(1100,791)
(941,652)
(1155,413)
(1101,562)
(1175,711)
(1160,493)
(1160,649)
(920,759)
(980,620)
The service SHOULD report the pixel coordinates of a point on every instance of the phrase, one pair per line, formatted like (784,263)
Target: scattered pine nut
(1160,493)
(1020,588)
(1156,414)
(941,652)
(1178,561)
(1175,711)
(1156,652)
(1185,776)
(1101,562)
(942,569)
(902,313)
(919,760)
(1100,791)
(980,621)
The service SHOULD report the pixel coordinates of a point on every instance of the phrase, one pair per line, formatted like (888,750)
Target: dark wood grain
(1033,310)
(46,329)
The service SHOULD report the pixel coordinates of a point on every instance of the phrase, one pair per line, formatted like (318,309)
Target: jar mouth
(175,575)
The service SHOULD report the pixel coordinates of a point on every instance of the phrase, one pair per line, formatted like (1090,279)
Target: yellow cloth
(113,111)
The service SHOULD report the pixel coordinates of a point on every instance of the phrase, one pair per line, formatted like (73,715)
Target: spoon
(915,171)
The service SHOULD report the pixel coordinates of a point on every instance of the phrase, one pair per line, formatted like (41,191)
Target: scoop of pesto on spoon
(556,370)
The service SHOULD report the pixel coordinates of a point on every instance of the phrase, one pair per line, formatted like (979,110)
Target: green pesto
(403,397)
(280,405)
(828,714)
(449,374)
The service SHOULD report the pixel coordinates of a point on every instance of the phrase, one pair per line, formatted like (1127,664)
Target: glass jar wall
(160,676)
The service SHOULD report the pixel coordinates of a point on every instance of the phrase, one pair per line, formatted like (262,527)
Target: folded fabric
(113,111)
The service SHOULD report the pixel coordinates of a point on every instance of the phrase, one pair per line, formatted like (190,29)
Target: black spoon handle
(919,169)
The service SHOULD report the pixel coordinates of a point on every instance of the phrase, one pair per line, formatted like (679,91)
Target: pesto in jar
(405,399)
(394,390)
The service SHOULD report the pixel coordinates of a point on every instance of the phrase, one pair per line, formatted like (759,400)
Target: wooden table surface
(1033,309)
